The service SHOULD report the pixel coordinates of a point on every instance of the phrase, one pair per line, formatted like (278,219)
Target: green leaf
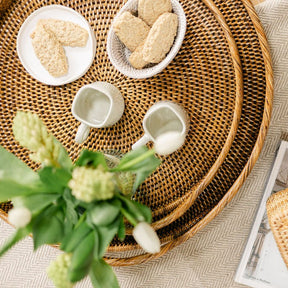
(144,210)
(70,212)
(14,169)
(10,189)
(18,235)
(63,159)
(73,239)
(138,211)
(68,197)
(82,258)
(60,214)
(48,227)
(121,229)
(106,235)
(141,158)
(68,227)
(76,275)
(141,161)
(55,179)
(104,213)
(90,158)
(35,202)
(96,246)
(102,275)
(141,176)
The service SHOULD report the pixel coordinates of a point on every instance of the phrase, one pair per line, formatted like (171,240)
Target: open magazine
(261,265)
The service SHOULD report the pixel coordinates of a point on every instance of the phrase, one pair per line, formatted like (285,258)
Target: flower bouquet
(81,207)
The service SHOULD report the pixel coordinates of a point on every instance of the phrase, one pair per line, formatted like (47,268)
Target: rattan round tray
(205,78)
(257,106)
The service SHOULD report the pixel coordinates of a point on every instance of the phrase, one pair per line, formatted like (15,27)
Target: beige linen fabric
(211,257)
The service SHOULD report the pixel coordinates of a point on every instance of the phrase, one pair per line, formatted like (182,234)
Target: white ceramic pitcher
(96,105)
(163,117)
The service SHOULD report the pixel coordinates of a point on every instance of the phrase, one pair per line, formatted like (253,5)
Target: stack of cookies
(48,40)
(149,35)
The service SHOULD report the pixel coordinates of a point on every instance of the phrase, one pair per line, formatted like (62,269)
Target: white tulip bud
(168,143)
(146,237)
(19,217)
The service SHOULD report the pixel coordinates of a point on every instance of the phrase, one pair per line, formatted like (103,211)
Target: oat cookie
(131,30)
(67,33)
(136,58)
(150,10)
(49,51)
(160,38)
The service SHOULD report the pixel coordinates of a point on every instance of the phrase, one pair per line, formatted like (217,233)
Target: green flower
(58,271)
(89,184)
(31,133)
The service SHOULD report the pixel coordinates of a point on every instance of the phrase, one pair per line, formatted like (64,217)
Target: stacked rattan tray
(224,53)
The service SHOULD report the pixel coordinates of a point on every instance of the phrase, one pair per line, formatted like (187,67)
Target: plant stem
(81,219)
(131,219)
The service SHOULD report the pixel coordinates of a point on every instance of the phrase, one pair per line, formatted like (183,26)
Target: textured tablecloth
(210,258)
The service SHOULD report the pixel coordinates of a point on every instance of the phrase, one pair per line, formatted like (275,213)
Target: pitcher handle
(82,133)
(141,142)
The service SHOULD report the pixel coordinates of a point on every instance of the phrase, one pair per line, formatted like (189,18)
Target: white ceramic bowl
(119,54)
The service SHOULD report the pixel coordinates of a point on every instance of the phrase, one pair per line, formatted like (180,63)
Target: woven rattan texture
(256,113)
(277,212)
(201,78)
(4,4)
(256,87)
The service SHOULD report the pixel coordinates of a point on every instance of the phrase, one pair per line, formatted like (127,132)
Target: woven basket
(277,212)
(205,78)
(118,54)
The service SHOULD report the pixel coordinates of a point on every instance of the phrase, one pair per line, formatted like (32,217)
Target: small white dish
(119,54)
(79,58)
